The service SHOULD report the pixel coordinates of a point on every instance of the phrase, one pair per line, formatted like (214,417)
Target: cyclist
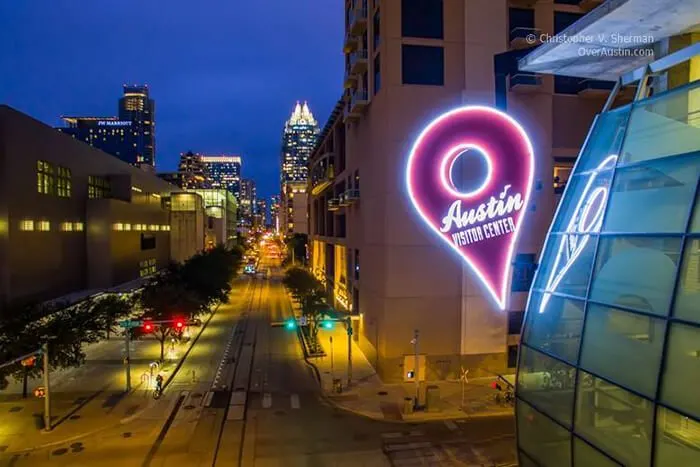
(159,384)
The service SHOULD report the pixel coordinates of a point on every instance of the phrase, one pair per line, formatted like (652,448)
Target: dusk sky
(225,75)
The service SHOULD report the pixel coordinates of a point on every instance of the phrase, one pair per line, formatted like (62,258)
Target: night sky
(225,75)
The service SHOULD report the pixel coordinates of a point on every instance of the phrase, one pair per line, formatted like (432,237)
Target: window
(682,369)
(98,187)
(521,18)
(118,226)
(422,64)
(63,184)
(635,340)
(377,75)
(664,187)
(376,31)
(547,384)
(147,267)
(45,178)
(66,226)
(614,282)
(554,325)
(154,227)
(566,264)
(148,241)
(422,18)
(127,227)
(357,265)
(43,226)
(357,180)
(562,172)
(614,419)
(541,438)
(676,439)
(512,356)
(26,225)
(688,291)
(515,321)
(585,455)
(563,20)
(78,226)
(566,84)
(523,272)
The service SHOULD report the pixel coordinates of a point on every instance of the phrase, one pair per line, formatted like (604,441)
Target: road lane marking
(415,433)
(451,425)
(267,400)
(295,401)
(392,435)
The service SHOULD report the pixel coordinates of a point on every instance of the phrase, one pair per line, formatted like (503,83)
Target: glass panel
(526,461)
(605,139)
(688,291)
(587,456)
(554,324)
(566,265)
(581,210)
(695,223)
(541,438)
(655,197)
(663,126)
(617,279)
(681,378)
(677,439)
(623,347)
(547,384)
(614,419)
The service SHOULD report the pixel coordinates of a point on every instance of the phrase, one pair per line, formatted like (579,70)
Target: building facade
(248,200)
(298,141)
(72,217)
(129,137)
(220,208)
(408,62)
(274,212)
(224,172)
(608,364)
(260,216)
(193,172)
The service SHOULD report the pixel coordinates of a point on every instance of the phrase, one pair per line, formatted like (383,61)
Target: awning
(599,45)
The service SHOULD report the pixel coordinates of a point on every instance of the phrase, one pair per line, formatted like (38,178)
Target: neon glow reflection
(483,225)
(587,219)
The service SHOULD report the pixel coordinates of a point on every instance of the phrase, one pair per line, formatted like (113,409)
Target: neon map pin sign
(480,223)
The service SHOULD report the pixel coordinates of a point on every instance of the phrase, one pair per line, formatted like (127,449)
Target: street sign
(130,323)
(40,392)
(349,331)
(303,321)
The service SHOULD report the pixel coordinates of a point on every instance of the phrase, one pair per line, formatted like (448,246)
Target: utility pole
(127,360)
(417,366)
(349,325)
(47,390)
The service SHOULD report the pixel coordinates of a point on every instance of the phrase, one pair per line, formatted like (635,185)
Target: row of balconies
(344,199)
(322,174)
(523,81)
(357,25)
(585,5)
(355,104)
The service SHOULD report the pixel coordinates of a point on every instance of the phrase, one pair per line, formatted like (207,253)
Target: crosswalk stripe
(295,401)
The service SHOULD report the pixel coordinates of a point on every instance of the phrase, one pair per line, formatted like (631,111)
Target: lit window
(27,225)
(63,185)
(137,227)
(43,226)
(154,227)
(118,226)
(45,178)
(127,227)
(78,226)
(66,226)
(165,228)
(98,187)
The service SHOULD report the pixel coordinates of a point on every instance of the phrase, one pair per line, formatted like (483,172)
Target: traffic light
(179,324)
(291,324)
(327,324)
(147,326)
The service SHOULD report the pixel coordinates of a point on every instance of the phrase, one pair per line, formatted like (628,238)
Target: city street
(245,396)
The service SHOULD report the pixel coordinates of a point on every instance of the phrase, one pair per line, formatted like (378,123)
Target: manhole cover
(280,412)
(15,408)
(126,434)
(60,452)
(189,407)
(382,393)
(74,417)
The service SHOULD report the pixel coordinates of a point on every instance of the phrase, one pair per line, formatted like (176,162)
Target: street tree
(310,294)
(109,310)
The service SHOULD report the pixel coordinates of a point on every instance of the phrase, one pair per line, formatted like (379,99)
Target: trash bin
(432,399)
(408,403)
(337,385)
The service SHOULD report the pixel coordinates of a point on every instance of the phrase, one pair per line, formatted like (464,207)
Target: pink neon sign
(481,225)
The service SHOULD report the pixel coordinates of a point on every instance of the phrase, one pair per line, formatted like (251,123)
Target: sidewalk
(370,397)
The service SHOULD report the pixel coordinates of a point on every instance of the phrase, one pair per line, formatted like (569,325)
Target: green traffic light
(328,324)
(291,324)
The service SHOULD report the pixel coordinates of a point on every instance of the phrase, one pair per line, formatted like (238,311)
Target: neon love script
(480,223)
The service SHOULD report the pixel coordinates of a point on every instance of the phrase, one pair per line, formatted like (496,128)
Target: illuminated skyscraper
(248,198)
(193,171)
(137,107)
(298,141)
(275,212)
(224,172)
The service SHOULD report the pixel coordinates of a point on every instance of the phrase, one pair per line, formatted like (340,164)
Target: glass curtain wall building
(609,365)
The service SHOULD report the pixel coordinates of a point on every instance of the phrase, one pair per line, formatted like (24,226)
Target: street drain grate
(16,408)
(74,417)
(59,452)
(126,434)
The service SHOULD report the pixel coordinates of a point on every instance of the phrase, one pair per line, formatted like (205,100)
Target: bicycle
(157,392)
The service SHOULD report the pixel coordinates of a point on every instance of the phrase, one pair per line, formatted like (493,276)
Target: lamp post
(416,372)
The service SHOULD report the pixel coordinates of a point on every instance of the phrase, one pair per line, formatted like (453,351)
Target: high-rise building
(609,363)
(192,171)
(224,172)
(137,107)
(130,137)
(408,63)
(298,141)
(274,212)
(248,199)
(260,216)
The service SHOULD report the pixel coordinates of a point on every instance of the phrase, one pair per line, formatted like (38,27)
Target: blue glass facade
(609,364)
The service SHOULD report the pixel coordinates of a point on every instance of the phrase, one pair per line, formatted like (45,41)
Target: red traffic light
(179,324)
(148,327)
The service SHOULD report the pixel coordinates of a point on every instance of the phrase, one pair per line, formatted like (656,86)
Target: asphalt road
(245,397)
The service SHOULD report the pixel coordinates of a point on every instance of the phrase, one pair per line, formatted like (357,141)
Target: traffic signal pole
(47,394)
(349,329)
(127,360)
